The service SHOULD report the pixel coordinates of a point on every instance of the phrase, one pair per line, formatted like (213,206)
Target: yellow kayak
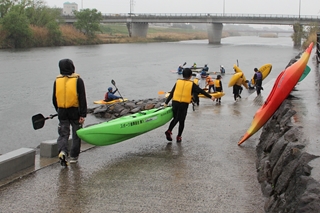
(265,71)
(110,102)
(214,94)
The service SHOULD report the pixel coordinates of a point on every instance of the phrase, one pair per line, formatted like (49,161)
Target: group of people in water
(215,85)
(186,91)
(255,84)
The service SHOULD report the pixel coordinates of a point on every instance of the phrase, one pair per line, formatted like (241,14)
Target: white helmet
(221,65)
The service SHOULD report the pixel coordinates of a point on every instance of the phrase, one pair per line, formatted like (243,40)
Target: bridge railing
(224,15)
(210,15)
(227,18)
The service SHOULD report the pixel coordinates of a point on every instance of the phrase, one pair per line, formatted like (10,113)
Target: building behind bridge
(69,8)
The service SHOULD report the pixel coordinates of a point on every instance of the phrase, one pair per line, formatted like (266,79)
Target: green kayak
(125,127)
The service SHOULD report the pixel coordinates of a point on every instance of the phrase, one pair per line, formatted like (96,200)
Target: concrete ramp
(259,100)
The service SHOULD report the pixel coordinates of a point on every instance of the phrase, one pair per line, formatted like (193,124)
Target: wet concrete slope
(208,172)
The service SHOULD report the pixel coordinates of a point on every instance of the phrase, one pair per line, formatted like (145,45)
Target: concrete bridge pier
(138,29)
(214,32)
(297,35)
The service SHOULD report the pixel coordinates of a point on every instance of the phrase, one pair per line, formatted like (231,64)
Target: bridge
(138,23)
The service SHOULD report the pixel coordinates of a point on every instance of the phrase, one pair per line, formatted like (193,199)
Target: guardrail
(269,19)
(213,15)
(206,15)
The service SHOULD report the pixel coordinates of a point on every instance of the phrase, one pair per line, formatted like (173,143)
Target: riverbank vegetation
(310,35)
(118,33)
(306,34)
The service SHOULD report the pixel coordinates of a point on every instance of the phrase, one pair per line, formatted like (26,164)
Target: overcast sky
(288,7)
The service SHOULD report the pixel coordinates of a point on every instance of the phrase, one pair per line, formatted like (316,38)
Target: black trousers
(180,111)
(236,91)
(258,86)
(195,98)
(64,133)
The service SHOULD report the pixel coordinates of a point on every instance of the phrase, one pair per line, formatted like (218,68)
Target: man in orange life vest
(181,95)
(210,83)
(69,100)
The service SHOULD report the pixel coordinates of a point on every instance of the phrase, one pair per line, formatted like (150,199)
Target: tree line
(31,23)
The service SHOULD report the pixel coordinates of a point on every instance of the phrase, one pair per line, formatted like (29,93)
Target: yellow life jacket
(239,81)
(196,81)
(66,91)
(217,83)
(182,92)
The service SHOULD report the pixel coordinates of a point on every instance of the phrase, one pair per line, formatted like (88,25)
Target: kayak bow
(282,87)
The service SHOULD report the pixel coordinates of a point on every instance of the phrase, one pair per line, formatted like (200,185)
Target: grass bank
(119,34)
(111,33)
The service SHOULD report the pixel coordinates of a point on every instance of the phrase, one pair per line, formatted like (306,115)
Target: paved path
(208,172)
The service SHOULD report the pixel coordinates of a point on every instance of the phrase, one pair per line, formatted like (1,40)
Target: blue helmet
(110,89)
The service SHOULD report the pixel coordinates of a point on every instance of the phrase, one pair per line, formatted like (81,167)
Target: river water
(139,70)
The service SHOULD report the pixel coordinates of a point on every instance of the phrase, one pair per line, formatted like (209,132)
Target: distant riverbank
(116,33)
(109,34)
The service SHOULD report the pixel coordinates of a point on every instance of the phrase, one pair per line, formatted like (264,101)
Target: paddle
(114,84)
(305,73)
(38,120)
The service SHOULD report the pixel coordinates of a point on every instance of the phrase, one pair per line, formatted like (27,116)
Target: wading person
(69,100)
(195,96)
(218,86)
(181,95)
(210,84)
(237,88)
(258,80)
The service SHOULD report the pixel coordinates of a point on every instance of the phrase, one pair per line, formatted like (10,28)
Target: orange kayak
(282,87)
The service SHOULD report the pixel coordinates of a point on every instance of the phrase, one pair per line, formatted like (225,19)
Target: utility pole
(131,6)
(129,24)
(299,8)
(318,48)
(224,7)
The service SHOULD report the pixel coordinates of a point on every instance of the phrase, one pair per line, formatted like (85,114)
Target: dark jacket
(73,113)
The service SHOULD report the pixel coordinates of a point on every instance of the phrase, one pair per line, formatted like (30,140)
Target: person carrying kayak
(181,95)
(195,96)
(218,86)
(210,84)
(237,88)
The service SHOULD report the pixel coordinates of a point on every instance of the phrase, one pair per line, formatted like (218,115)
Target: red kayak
(282,87)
